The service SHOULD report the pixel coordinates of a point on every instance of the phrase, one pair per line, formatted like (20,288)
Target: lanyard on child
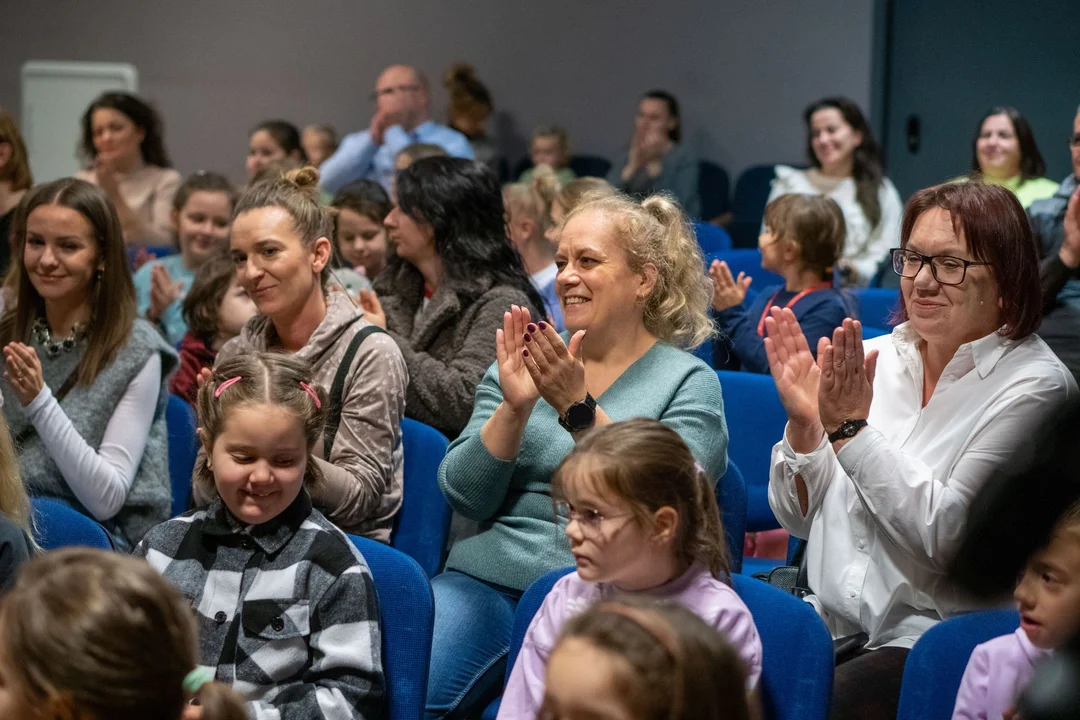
(768,306)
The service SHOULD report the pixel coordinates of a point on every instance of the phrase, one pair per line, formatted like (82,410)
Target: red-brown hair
(991,220)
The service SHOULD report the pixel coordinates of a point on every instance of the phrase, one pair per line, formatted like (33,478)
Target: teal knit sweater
(519,540)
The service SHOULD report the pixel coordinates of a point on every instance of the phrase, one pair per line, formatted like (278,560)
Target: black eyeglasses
(394,89)
(947,270)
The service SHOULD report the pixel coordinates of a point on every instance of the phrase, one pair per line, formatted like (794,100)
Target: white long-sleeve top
(865,246)
(102,478)
(886,514)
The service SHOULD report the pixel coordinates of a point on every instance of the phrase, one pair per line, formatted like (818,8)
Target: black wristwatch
(848,429)
(579,416)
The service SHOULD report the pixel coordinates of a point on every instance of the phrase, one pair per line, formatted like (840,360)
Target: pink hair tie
(227,383)
(314,395)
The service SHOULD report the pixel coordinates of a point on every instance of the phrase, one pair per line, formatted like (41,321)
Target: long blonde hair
(14,502)
(656,232)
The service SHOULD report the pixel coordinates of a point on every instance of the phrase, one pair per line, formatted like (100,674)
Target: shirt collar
(270,536)
(1033,653)
(982,354)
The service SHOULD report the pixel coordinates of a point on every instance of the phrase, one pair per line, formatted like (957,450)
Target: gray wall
(743,69)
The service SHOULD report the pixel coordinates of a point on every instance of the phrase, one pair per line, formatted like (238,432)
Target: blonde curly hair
(656,232)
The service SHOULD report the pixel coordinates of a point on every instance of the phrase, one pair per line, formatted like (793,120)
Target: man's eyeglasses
(947,270)
(386,91)
(589,520)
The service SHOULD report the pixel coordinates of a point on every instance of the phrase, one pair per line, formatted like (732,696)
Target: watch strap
(564,419)
(847,429)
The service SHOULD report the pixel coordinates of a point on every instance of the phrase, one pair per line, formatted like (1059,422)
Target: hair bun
(304,177)
(459,73)
(664,208)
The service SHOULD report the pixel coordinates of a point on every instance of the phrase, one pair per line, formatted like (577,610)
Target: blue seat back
(183,449)
(714,188)
(424,519)
(755,420)
(797,660)
(870,333)
(590,166)
(747,260)
(407,620)
(877,307)
(58,525)
(935,666)
(731,496)
(711,239)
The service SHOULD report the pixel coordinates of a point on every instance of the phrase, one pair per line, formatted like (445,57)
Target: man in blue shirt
(402,118)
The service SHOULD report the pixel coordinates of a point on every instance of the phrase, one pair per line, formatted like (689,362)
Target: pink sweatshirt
(996,674)
(713,600)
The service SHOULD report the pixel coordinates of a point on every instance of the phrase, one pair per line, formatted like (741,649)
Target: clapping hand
(847,376)
(727,291)
(1070,245)
(163,292)
(557,370)
(793,368)
(518,388)
(23,371)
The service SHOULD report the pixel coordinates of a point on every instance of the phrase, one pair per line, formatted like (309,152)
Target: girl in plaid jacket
(285,604)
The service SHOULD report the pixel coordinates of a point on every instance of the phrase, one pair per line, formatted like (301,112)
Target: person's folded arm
(352,161)
(101,479)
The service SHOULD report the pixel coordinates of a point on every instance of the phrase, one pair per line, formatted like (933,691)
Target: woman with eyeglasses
(888,443)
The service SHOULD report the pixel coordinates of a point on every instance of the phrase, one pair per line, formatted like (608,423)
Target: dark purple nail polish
(532,328)
(543,325)
(528,337)
(525,353)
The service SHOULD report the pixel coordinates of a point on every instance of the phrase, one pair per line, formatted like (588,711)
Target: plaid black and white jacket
(287,610)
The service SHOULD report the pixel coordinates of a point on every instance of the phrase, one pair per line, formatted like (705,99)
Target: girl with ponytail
(93,634)
(642,520)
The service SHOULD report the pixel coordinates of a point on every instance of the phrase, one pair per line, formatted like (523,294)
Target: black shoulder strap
(332,422)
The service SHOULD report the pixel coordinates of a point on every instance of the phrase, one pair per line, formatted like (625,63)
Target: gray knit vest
(89,409)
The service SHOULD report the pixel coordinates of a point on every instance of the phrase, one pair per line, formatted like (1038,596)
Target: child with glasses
(642,520)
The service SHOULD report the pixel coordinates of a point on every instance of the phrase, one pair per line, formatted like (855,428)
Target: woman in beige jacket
(280,244)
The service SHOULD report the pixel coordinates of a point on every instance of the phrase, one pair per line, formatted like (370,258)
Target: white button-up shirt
(886,513)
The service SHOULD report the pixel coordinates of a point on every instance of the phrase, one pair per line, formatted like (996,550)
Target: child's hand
(163,292)
(373,312)
(727,292)
(203,377)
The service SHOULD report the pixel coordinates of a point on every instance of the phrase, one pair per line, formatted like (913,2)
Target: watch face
(580,415)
